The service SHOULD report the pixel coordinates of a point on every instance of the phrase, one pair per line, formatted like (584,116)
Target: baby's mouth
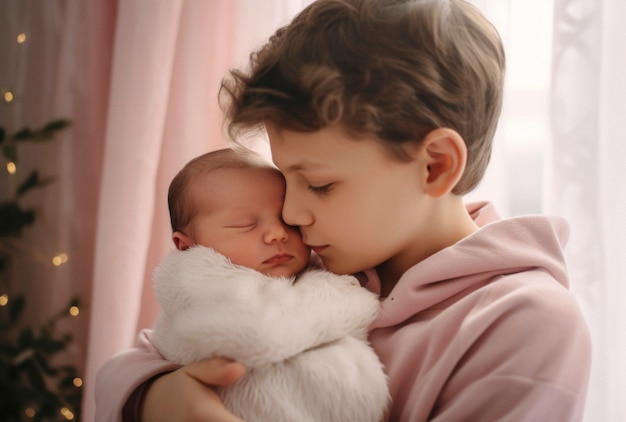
(280,258)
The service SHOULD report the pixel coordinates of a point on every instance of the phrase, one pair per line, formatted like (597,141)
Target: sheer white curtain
(559,150)
(586,182)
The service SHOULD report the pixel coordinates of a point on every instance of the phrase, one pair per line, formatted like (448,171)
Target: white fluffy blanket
(303,341)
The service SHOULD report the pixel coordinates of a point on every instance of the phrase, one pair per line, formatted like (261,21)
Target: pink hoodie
(483,330)
(486,329)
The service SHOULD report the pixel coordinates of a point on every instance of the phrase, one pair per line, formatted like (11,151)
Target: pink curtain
(168,59)
(162,112)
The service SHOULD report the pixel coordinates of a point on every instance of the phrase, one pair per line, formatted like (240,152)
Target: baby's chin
(283,271)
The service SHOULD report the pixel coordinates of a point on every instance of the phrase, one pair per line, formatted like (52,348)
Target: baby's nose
(276,232)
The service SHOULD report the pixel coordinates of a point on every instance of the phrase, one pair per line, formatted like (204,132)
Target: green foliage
(29,378)
(9,143)
(13,218)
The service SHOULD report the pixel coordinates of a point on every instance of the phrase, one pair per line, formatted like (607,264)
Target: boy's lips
(318,249)
(280,258)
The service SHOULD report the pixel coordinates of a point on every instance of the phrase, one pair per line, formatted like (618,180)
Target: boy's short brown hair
(395,69)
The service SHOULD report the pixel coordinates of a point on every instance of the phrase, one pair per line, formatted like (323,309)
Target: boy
(238,286)
(381,114)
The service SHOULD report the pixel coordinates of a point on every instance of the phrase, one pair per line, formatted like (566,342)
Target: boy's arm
(121,375)
(158,389)
(185,394)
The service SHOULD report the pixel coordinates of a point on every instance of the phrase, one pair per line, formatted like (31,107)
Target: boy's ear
(445,155)
(182,241)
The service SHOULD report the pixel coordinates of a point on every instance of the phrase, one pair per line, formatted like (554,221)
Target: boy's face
(356,206)
(238,213)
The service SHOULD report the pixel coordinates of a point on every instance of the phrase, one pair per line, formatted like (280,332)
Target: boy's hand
(186,394)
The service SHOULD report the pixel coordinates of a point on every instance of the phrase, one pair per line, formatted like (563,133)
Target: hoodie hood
(499,247)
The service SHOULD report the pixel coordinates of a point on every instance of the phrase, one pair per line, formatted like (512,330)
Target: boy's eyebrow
(304,165)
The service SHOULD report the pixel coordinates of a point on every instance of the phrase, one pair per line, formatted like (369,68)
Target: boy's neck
(443,235)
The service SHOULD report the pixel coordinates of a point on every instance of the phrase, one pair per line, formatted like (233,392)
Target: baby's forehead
(243,172)
(227,183)
(247,190)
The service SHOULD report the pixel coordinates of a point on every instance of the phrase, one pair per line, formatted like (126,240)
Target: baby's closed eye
(243,225)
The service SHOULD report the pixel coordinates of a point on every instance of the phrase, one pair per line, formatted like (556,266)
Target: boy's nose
(294,213)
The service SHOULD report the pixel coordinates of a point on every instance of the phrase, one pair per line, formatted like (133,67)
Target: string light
(8,96)
(69,415)
(60,259)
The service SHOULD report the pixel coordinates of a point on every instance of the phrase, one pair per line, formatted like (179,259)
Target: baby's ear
(446,155)
(182,241)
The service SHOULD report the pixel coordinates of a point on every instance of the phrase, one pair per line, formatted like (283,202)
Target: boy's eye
(321,189)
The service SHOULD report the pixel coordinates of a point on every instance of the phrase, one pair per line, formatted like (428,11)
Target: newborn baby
(302,340)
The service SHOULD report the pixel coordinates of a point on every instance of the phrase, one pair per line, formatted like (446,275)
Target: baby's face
(239,214)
